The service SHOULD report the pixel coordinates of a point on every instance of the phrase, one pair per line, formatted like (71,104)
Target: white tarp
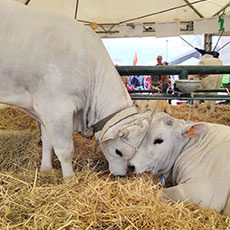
(116,12)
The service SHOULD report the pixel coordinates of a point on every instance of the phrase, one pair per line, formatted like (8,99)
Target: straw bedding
(93,199)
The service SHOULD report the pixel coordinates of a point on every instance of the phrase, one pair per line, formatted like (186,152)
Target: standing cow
(59,72)
(197,155)
(211,81)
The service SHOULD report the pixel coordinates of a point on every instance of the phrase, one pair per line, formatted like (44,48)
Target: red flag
(135,59)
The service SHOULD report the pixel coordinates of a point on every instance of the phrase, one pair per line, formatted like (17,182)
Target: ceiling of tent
(108,15)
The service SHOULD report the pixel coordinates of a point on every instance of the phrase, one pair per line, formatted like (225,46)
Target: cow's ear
(203,76)
(168,109)
(148,115)
(192,130)
(109,135)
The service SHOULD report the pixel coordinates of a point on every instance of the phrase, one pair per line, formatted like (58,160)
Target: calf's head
(164,141)
(119,142)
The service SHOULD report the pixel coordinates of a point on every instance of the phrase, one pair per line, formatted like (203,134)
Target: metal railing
(173,70)
(182,72)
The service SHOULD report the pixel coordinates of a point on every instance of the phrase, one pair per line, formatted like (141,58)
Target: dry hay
(93,199)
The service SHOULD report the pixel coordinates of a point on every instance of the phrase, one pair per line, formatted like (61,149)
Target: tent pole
(75,16)
(27,2)
(208,42)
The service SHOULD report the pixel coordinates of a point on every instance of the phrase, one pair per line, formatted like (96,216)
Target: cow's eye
(118,153)
(158,141)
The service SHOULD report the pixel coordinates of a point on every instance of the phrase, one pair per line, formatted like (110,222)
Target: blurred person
(137,82)
(164,81)
(155,79)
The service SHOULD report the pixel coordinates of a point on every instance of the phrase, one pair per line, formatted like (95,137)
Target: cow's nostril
(131,168)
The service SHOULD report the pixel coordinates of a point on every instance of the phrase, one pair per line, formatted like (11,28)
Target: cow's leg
(60,132)
(57,119)
(197,191)
(175,193)
(196,105)
(226,210)
(210,107)
(46,163)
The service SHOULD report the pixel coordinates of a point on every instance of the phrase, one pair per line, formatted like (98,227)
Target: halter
(111,120)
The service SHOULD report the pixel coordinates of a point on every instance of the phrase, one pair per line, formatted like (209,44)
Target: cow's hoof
(70,179)
(45,169)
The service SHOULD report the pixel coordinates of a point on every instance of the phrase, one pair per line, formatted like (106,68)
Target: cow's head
(156,106)
(165,139)
(120,142)
(142,105)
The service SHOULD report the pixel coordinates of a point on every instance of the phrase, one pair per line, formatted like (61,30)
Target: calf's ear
(192,130)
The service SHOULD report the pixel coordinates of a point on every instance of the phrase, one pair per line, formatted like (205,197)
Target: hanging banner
(167,29)
(131,30)
(206,25)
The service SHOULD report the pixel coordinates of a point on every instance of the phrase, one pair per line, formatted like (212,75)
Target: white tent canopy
(108,15)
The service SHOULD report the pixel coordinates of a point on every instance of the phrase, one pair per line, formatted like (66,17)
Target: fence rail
(182,72)
(178,97)
(172,70)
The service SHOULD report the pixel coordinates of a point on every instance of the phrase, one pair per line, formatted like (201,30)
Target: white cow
(155,106)
(59,72)
(211,81)
(197,155)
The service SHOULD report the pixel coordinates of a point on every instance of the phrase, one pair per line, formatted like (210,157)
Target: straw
(93,199)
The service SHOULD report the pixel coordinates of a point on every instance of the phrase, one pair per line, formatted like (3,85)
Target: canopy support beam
(76,9)
(221,10)
(194,9)
(160,12)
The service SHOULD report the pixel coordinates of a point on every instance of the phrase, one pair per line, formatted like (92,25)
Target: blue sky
(122,50)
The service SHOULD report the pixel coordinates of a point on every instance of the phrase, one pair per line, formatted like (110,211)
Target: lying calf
(197,155)
(155,106)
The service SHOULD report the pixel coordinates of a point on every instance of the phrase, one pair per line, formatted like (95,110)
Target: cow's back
(212,81)
(32,39)
(46,56)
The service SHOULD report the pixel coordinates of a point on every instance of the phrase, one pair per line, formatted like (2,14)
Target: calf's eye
(158,141)
(118,153)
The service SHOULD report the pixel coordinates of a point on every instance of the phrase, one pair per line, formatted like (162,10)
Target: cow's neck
(191,149)
(109,95)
